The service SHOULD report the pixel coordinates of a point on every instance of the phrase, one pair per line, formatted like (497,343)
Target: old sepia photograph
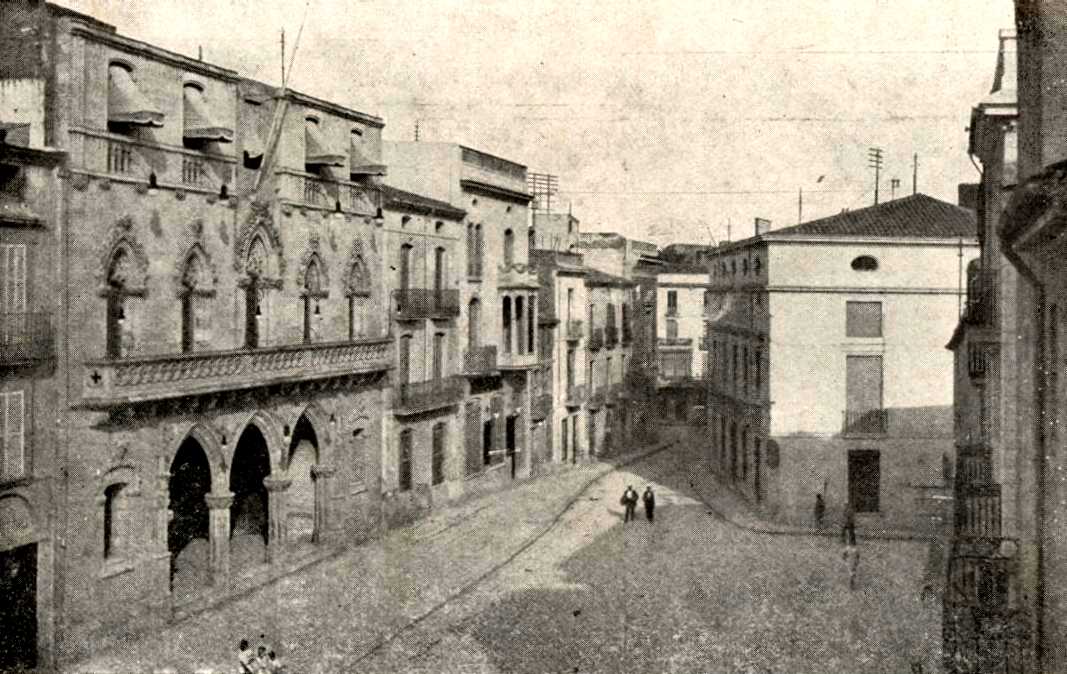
(533,337)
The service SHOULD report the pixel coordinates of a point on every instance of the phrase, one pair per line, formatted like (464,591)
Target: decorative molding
(258,223)
(313,253)
(357,283)
(133,274)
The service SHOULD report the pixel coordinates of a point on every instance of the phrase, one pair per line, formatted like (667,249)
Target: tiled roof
(397,197)
(918,216)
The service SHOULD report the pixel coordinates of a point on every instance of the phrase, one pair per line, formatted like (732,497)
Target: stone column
(322,475)
(219,534)
(277,532)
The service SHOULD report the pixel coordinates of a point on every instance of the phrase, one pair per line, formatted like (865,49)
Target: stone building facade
(855,406)
(498,325)
(682,312)
(608,349)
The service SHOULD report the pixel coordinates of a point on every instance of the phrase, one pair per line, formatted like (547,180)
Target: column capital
(276,483)
(219,501)
(323,471)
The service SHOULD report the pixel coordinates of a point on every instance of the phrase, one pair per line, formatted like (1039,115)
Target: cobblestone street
(466,591)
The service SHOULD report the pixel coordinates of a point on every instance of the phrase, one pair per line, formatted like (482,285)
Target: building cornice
(478,187)
(152,52)
(857,290)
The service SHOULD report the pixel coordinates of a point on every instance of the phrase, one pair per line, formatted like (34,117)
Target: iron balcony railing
(25,338)
(978,510)
(422,396)
(980,357)
(480,361)
(676,341)
(611,336)
(866,422)
(417,303)
(575,329)
(974,466)
(596,339)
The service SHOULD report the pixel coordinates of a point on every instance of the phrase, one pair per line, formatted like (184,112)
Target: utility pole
(416,130)
(915,174)
(893,185)
(283,58)
(800,205)
(874,160)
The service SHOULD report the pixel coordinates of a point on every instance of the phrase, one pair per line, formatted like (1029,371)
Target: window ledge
(116,567)
(358,489)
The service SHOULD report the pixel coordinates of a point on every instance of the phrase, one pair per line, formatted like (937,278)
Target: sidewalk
(732,507)
(365,597)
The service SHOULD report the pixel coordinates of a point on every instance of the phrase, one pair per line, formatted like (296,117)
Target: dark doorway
(509,444)
(757,460)
(300,497)
(487,442)
(248,514)
(187,532)
(18,609)
(864,475)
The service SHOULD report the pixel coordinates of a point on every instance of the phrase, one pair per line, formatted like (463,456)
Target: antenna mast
(874,160)
(283,58)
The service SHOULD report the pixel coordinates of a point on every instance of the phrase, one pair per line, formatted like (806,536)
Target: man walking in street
(650,503)
(629,501)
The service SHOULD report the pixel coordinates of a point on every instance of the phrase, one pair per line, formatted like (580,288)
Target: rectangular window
(13,279)
(672,329)
(438,460)
(12,435)
(672,302)
(863,382)
(758,363)
(863,319)
(438,356)
(864,475)
(359,459)
(707,302)
(571,364)
(404,460)
(744,370)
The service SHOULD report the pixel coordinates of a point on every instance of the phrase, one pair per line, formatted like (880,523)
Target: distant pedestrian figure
(820,510)
(650,503)
(245,657)
(629,501)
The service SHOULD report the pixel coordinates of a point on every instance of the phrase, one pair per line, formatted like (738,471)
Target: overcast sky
(664,119)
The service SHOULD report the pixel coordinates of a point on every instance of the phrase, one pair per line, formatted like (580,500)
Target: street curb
(530,542)
(769,529)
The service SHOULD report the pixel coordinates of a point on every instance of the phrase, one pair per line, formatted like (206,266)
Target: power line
(697,192)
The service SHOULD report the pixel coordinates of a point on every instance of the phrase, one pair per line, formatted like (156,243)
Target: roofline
(495,191)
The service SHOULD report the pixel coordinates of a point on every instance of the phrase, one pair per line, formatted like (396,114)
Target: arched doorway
(300,497)
(187,532)
(248,514)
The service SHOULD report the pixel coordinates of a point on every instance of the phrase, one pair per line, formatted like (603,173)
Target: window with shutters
(437,463)
(404,461)
(863,319)
(672,302)
(15,334)
(12,435)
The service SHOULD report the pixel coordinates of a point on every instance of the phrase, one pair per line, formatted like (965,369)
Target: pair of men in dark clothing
(629,501)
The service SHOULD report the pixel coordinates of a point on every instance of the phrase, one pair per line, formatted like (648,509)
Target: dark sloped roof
(594,277)
(402,199)
(918,216)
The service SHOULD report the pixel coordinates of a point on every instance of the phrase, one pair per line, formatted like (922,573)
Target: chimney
(1041,30)
(763,226)
(967,195)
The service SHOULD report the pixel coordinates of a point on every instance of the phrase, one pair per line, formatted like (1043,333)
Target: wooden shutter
(13,434)
(863,383)
(12,279)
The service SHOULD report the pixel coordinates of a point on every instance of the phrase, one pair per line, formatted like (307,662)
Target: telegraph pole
(915,174)
(800,205)
(874,160)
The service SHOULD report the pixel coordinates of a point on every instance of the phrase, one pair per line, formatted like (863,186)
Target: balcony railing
(576,395)
(318,192)
(480,362)
(418,303)
(978,512)
(980,358)
(151,378)
(596,339)
(25,338)
(611,336)
(575,329)
(176,167)
(542,406)
(513,360)
(866,422)
(423,396)
(676,342)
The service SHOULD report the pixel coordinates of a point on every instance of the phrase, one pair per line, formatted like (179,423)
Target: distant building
(828,372)
(615,254)
(611,300)
(683,302)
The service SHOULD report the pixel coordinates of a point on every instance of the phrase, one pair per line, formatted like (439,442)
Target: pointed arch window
(120,336)
(509,247)
(116,521)
(314,292)
(194,294)
(358,298)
